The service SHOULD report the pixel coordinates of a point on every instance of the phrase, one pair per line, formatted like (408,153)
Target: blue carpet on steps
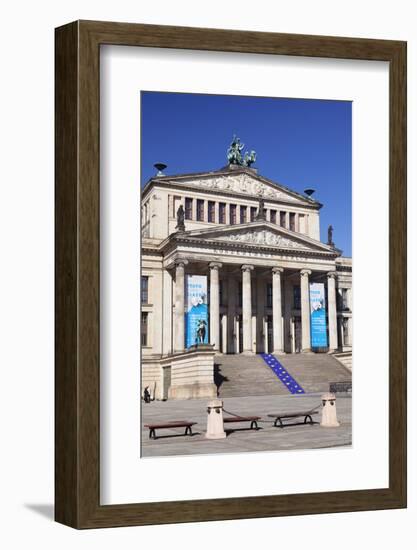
(292,385)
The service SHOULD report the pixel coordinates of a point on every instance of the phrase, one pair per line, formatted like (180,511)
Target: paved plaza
(171,442)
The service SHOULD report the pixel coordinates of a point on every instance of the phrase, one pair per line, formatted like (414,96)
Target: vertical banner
(318,316)
(196,317)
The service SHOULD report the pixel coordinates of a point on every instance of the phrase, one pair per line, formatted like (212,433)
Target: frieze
(262,236)
(241,183)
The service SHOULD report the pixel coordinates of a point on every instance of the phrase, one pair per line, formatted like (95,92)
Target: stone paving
(239,438)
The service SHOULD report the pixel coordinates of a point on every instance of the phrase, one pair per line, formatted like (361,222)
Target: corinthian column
(277,310)
(247,309)
(179,305)
(214,305)
(332,312)
(305,311)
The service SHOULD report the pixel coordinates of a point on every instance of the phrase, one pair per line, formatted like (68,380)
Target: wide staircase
(242,375)
(345,358)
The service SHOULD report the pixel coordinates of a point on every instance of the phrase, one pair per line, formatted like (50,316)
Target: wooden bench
(175,424)
(252,419)
(279,417)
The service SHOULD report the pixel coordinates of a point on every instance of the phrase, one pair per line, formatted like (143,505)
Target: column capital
(247,267)
(332,274)
(215,265)
(305,272)
(180,262)
(277,270)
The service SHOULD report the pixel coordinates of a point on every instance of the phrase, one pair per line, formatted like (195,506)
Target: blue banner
(318,316)
(196,317)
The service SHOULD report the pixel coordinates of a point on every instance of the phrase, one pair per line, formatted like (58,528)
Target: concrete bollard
(328,413)
(215,428)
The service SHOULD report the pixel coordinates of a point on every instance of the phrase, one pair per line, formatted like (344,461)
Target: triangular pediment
(243,182)
(260,233)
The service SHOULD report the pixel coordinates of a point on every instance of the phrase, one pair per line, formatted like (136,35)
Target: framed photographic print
(230,274)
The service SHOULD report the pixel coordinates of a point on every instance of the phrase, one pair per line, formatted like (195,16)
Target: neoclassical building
(257,244)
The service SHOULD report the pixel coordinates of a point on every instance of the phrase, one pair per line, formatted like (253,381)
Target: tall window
(269,295)
(282,219)
(200,210)
(273,216)
(232,214)
(292,221)
(188,208)
(144,329)
(253,210)
(144,290)
(222,212)
(297,297)
(210,211)
(345,328)
(243,214)
(221,292)
(239,295)
(342,300)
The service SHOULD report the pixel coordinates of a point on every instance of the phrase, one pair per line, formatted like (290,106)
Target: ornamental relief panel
(262,237)
(244,184)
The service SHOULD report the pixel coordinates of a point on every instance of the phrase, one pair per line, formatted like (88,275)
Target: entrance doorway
(270,339)
(297,335)
(240,334)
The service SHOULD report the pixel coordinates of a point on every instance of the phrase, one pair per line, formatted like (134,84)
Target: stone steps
(241,375)
(345,358)
(314,372)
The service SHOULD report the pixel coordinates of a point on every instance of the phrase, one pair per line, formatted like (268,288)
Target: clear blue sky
(299,143)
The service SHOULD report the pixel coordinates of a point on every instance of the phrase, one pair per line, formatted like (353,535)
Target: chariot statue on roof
(234,154)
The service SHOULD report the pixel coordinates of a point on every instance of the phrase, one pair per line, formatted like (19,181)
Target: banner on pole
(318,316)
(196,317)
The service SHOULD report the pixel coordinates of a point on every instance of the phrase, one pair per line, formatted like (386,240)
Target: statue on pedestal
(261,214)
(180,219)
(330,236)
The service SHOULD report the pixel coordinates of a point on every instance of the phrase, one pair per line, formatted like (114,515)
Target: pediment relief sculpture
(264,237)
(241,183)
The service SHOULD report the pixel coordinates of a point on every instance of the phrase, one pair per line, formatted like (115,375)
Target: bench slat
(292,415)
(242,419)
(176,424)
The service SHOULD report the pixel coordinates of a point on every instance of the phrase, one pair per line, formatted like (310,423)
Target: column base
(307,351)
(332,351)
(248,352)
(278,352)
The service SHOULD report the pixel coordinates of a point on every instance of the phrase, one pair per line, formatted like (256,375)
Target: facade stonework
(258,273)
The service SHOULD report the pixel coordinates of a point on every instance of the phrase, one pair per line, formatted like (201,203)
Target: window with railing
(144,328)
(211,211)
(243,214)
(222,212)
(144,290)
(253,211)
(200,210)
(273,216)
(188,208)
(282,219)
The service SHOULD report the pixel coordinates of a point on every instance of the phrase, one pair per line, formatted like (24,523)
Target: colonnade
(277,328)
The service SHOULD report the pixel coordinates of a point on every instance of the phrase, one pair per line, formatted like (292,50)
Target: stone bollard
(328,413)
(215,420)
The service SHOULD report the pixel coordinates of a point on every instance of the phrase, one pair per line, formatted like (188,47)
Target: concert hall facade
(232,263)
